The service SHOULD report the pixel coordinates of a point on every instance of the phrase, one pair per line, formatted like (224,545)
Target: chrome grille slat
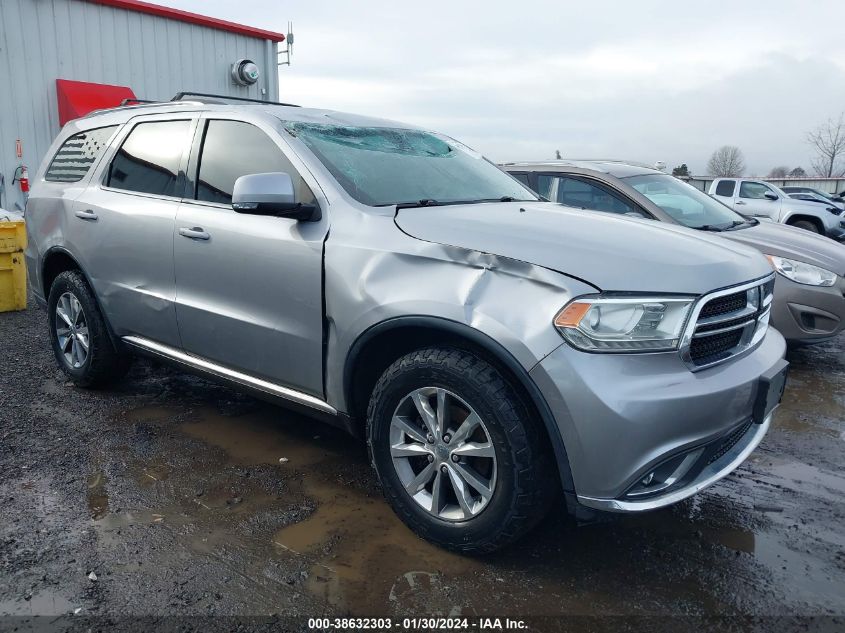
(730,328)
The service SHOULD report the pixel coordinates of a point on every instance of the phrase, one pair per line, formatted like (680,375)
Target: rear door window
(726,188)
(523,178)
(232,149)
(580,193)
(76,155)
(148,161)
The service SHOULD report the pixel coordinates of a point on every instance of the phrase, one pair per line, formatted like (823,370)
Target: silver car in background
(809,301)
(491,348)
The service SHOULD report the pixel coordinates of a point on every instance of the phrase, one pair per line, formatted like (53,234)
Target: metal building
(60,59)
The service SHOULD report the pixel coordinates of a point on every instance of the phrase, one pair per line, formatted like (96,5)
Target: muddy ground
(186,498)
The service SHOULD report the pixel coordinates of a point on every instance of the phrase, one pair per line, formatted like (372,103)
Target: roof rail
(133,101)
(212,98)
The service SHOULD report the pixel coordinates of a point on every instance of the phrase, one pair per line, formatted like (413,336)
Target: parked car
(810,197)
(756,198)
(834,199)
(393,282)
(809,298)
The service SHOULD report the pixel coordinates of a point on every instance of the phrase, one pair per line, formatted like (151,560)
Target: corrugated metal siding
(45,40)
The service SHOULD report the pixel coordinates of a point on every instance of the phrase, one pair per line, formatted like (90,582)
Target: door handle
(195,233)
(88,214)
(740,202)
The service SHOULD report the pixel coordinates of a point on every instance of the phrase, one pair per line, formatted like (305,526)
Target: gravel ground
(172,496)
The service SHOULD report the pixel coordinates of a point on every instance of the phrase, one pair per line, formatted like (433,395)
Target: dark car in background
(831,198)
(809,301)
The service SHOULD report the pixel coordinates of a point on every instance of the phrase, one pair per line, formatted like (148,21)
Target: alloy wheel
(443,454)
(72,330)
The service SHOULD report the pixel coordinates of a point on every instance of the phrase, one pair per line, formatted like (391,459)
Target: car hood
(798,244)
(612,253)
(806,205)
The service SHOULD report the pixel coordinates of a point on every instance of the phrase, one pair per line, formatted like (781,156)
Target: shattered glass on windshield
(384,166)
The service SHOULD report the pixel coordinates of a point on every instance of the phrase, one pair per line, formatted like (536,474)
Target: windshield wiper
(425,202)
(737,223)
(428,202)
(709,227)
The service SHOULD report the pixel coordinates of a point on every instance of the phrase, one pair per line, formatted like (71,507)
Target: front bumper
(837,231)
(808,314)
(710,474)
(621,416)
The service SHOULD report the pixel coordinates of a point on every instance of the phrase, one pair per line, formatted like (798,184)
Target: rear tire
(807,225)
(79,335)
(504,456)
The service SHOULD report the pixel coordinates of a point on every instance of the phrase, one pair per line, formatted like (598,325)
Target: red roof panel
(192,18)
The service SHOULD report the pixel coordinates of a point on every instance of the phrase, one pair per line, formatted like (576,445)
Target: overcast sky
(643,80)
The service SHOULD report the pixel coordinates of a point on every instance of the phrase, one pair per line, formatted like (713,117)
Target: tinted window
(725,188)
(232,149)
(579,193)
(683,202)
(76,155)
(523,178)
(148,160)
(753,190)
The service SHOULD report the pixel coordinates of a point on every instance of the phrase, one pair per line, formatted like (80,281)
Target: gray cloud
(644,81)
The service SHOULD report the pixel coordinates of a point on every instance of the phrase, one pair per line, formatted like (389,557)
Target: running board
(230,374)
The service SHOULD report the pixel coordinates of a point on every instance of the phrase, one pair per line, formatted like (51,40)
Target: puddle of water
(812,404)
(350,535)
(149,473)
(262,438)
(98,498)
(361,553)
(43,603)
(153,414)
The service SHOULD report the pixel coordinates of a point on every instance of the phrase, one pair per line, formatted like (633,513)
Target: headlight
(624,324)
(802,273)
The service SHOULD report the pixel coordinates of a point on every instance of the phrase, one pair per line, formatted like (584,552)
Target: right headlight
(802,273)
(624,324)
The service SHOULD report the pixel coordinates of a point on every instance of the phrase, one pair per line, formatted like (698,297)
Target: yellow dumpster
(12,268)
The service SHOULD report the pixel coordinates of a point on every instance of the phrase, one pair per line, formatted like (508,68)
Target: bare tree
(781,171)
(828,142)
(726,161)
(798,172)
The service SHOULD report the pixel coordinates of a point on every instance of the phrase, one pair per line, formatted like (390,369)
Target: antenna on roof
(288,46)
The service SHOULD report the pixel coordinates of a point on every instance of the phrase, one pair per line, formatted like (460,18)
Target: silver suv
(493,349)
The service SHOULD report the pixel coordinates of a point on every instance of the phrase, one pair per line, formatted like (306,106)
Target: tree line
(827,142)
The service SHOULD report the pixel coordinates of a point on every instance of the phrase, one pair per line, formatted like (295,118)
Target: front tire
(807,225)
(459,458)
(80,338)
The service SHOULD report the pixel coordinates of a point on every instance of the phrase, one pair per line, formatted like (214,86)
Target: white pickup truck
(763,200)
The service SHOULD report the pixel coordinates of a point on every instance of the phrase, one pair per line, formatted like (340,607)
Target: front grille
(728,324)
(724,305)
(729,442)
(714,348)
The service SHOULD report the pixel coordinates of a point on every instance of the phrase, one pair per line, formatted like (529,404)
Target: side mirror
(271,194)
(770,195)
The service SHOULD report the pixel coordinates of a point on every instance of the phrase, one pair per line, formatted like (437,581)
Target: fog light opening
(666,475)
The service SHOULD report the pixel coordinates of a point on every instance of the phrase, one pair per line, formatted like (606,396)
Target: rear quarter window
(78,153)
(148,161)
(725,188)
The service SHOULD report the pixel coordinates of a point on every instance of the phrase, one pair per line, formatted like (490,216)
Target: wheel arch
(381,344)
(797,217)
(58,260)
